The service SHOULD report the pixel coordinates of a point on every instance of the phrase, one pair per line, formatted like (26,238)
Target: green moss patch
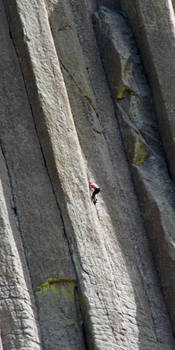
(140,153)
(56,285)
(25,38)
(125,91)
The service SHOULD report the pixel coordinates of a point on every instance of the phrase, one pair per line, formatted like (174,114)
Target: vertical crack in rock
(84,94)
(13,202)
(41,149)
(44,160)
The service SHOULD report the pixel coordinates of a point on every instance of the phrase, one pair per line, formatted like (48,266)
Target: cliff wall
(76,107)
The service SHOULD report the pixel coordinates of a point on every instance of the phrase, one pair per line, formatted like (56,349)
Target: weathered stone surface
(142,141)
(56,144)
(59,296)
(19,329)
(154,26)
(37,211)
(104,271)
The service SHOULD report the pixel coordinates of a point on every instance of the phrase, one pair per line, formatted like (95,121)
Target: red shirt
(93,185)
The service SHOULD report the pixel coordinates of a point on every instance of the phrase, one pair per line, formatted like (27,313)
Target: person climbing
(96,189)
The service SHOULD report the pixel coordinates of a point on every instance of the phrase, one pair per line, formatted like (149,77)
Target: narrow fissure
(13,200)
(88,99)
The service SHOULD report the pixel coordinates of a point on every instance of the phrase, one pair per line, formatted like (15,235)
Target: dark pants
(97,190)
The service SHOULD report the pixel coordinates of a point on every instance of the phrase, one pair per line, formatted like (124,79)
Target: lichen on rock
(125,90)
(58,285)
(140,152)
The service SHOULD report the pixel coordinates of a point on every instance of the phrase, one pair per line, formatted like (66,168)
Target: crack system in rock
(32,113)
(46,168)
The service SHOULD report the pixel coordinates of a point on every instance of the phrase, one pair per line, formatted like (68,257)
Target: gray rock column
(154,27)
(38,215)
(78,146)
(18,318)
(139,130)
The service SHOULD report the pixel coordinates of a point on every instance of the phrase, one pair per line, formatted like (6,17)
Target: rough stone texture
(63,133)
(92,5)
(110,322)
(142,142)
(154,26)
(59,296)
(19,329)
(35,205)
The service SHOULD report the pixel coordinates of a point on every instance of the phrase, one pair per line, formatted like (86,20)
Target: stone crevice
(88,99)
(142,136)
(13,200)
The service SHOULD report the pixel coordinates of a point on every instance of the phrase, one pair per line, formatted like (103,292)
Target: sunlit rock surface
(76,276)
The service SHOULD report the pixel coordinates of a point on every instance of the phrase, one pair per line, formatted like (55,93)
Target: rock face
(74,275)
(154,27)
(140,134)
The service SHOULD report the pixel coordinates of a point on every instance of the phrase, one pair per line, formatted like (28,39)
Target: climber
(96,190)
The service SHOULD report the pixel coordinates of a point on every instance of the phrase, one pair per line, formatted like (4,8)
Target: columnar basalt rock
(35,205)
(90,267)
(142,142)
(18,317)
(154,27)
